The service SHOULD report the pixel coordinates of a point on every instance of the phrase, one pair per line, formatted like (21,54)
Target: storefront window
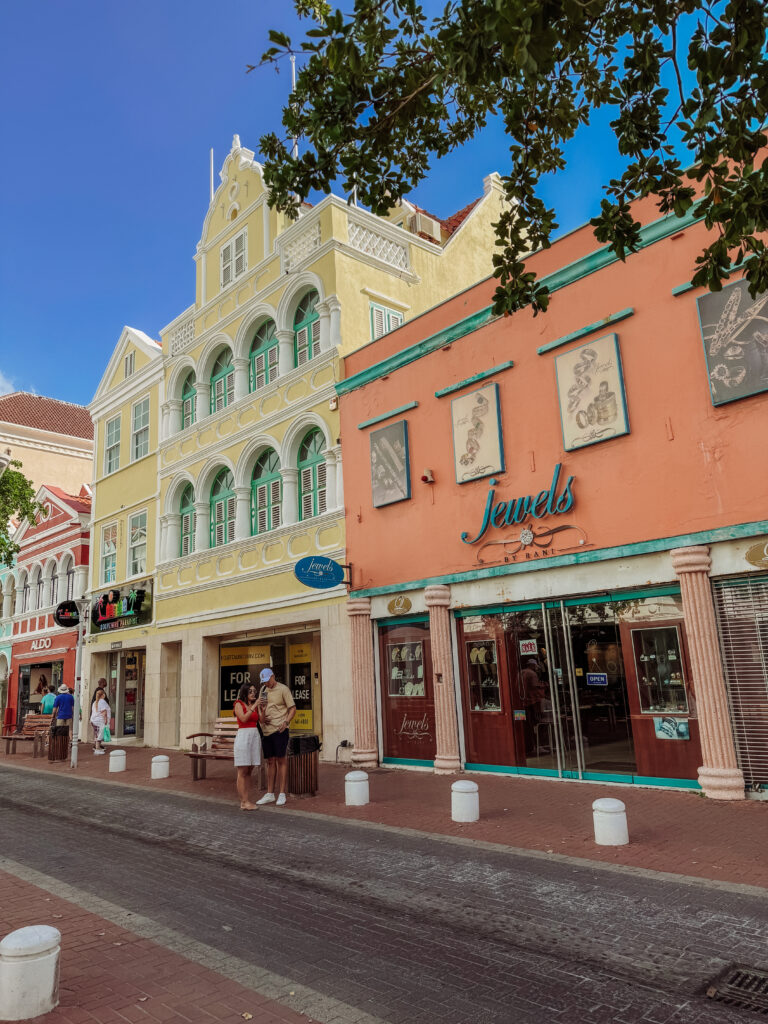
(405,669)
(659,667)
(483,674)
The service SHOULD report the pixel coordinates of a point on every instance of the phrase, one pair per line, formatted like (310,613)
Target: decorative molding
(295,252)
(474,379)
(182,335)
(387,415)
(379,244)
(582,332)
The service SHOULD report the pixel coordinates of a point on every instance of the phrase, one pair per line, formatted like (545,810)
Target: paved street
(364,923)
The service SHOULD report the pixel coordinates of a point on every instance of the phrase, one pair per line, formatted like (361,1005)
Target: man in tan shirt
(276,711)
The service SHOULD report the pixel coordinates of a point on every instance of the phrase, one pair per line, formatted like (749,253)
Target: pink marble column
(365,753)
(719,776)
(447,758)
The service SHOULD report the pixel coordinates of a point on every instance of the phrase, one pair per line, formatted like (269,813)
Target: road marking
(303,999)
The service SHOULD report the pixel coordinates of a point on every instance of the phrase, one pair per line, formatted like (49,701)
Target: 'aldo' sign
(41,645)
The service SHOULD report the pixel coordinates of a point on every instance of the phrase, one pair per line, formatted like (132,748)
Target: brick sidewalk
(679,832)
(112,976)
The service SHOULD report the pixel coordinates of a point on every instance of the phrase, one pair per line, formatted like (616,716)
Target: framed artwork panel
(734,329)
(478,449)
(390,464)
(590,389)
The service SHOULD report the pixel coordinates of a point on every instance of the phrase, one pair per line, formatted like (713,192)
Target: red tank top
(252,722)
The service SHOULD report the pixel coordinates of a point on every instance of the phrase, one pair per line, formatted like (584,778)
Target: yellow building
(245,477)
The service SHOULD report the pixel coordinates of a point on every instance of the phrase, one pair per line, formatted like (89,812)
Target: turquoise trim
(577,558)
(573,602)
(499,769)
(648,780)
(386,415)
(546,773)
(408,760)
(404,620)
(606,777)
(570,274)
(681,288)
(598,325)
(497,609)
(473,380)
(409,355)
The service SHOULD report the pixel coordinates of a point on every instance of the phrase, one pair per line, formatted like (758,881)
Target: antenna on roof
(211,173)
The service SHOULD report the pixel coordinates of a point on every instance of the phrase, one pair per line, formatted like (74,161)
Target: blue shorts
(275,745)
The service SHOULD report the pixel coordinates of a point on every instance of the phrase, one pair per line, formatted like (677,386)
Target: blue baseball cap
(265,674)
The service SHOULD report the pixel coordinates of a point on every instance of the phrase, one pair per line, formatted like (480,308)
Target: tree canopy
(384,90)
(17,502)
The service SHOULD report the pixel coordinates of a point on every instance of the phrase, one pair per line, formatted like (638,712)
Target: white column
(81,580)
(172,545)
(164,420)
(241,377)
(203,269)
(203,400)
(265,227)
(173,417)
(202,526)
(339,495)
(324,311)
(243,513)
(290,495)
(7,606)
(335,334)
(330,478)
(19,599)
(285,353)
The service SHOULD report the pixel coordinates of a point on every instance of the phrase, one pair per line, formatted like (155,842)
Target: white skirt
(247,748)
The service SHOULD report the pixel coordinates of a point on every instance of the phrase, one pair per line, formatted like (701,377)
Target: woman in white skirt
(247,741)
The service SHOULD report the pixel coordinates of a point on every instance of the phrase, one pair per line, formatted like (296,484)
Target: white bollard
(610,821)
(117,760)
(465,801)
(356,792)
(29,972)
(161,766)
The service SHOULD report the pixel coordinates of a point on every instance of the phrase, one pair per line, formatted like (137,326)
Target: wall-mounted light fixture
(427,476)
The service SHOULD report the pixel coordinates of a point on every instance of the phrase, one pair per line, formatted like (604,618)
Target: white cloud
(6,384)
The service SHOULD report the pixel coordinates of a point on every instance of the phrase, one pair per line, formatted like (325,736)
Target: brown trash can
(303,762)
(58,743)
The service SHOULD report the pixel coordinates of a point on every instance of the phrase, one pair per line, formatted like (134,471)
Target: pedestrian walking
(46,704)
(61,725)
(247,741)
(100,714)
(277,708)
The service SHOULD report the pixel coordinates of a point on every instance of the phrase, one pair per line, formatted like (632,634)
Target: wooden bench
(220,748)
(35,730)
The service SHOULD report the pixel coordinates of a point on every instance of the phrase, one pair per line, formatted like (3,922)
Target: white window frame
(108,559)
(129,364)
(383,320)
(112,448)
(131,571)
(141,431)
(233,259)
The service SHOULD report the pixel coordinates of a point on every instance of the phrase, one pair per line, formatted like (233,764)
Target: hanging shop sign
(318,572)
(120,610)
(399,605)
(66,614)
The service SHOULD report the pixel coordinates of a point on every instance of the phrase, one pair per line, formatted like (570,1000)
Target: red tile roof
(449,224)
(79,503)
(27,410)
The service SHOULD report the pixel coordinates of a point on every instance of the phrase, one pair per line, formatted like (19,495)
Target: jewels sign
(319,572)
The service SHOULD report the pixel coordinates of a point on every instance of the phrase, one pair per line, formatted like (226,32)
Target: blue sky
(107,116)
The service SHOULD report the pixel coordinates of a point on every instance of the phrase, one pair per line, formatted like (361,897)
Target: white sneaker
(99,751)
(268,798)
(280,800)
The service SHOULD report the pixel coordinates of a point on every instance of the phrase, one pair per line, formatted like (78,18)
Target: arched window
(222,509)
(188,520)
(266,493)
(312,493)
(306,329)
(39,600)
(222,382)
(25,596)
(264,356)
(188,396)
(70,578)
(55,584)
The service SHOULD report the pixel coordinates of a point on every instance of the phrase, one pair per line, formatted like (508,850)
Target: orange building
(558,526)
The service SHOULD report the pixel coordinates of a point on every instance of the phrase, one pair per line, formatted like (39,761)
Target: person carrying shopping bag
(100,713)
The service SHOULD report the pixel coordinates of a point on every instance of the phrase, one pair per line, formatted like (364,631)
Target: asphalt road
(403,928)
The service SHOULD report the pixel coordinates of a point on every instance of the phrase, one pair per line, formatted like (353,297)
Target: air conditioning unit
(422,224)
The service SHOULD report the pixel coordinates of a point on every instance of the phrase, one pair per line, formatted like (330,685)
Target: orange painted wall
(685,466)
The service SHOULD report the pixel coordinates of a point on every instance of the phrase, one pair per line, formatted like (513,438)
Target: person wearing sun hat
(64,708)
(276,711)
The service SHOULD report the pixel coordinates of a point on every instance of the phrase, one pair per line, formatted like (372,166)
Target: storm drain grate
(743,987)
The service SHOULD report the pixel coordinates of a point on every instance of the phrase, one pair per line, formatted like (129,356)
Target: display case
(660,672)
(405,669)
(483,675)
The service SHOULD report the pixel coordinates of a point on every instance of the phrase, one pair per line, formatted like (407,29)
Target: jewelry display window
(483,675)
(660,672)
(405,669)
